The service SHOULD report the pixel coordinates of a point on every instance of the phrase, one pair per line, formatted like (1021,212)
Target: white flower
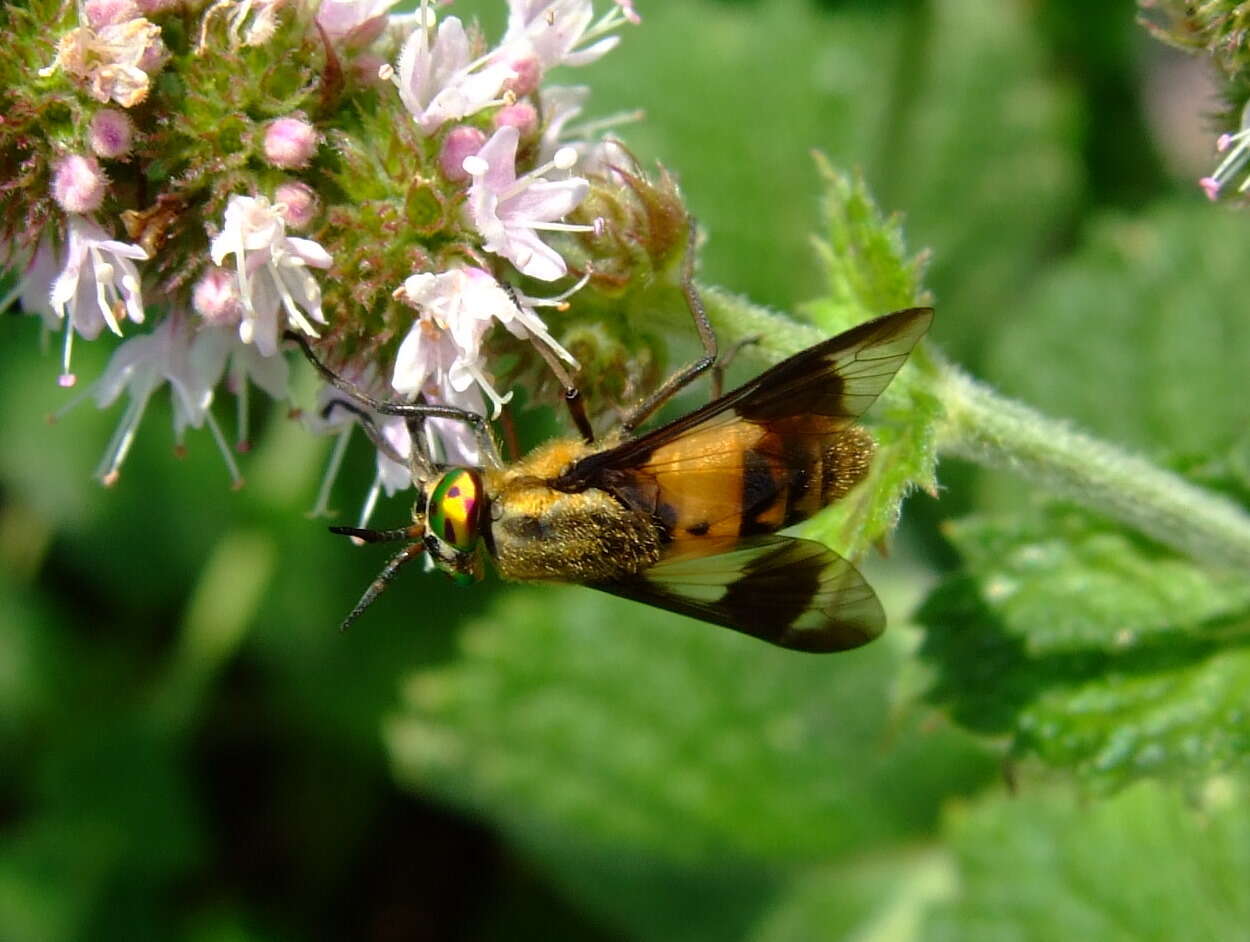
(507,211)
(441,357)
(36,271)
(353,20)
(142,365)
(98,281)
(272,271)
(560,105)
(439,83)
(98,284)
(218,350)
(555,32)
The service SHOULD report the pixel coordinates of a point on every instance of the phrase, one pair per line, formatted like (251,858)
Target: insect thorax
(539,534)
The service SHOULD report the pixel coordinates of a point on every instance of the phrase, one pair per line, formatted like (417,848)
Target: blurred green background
(190,750)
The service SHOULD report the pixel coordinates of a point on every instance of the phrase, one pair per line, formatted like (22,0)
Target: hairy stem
(983,426)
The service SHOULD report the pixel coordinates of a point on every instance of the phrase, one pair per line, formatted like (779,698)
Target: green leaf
(1147,864)
(881,898)
(863,255)
(1138,336)
(620,746)
(1059,578)
(1091,651)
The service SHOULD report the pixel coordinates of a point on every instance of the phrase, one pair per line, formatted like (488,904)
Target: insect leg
(414,532)
(407,410)
(371,430)
(723,361)
(572,395)
(396,562)
(687,374)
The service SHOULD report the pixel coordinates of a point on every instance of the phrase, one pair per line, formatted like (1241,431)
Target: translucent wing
(816,392)
(793,593)
(767,455)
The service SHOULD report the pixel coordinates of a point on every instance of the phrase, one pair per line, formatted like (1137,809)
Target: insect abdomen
(712,488)
(816,473)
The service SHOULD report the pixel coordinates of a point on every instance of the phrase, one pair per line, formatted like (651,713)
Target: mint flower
(139,367)
(353,21)
(441,357)
(430,184)
(272,271)
(561,32)
(438,83)
(98,283)
(508,211)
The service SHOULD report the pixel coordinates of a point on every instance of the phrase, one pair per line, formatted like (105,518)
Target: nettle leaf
(1048,866)
(1091,650)
(1136,336)
(634,753)
(863,256)
(1060,579)
(868,273)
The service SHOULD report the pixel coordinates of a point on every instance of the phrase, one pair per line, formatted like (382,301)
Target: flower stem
(982,426)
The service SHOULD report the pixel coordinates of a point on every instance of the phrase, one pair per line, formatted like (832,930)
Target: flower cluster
(163,167)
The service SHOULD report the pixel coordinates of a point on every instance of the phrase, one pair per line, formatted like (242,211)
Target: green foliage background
(1053,745)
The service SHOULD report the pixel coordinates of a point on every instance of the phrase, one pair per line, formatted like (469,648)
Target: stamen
(559,299)
(110,465)
(321,508)
(67,377)
(590,129)
(236,477)
(564,158)
(241,412)
(562,226)
(496,400)
(371,501)
(101,297)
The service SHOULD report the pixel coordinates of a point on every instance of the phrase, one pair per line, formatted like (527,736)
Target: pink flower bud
(1211,187)
(102,13)
(290,143)
(215,298)
(111,133)
(529,72)
(297,203)
(461,142)
(78,184)
(523,116)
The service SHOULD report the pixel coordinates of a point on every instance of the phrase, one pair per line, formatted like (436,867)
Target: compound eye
(455,508)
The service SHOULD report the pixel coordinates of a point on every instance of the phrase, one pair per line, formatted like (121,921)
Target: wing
(820,390)
(767,455)
(793,593)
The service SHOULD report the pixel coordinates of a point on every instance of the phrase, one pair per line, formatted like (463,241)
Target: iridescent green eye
(455,508)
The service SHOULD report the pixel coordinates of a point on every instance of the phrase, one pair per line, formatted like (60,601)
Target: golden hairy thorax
(543,535)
